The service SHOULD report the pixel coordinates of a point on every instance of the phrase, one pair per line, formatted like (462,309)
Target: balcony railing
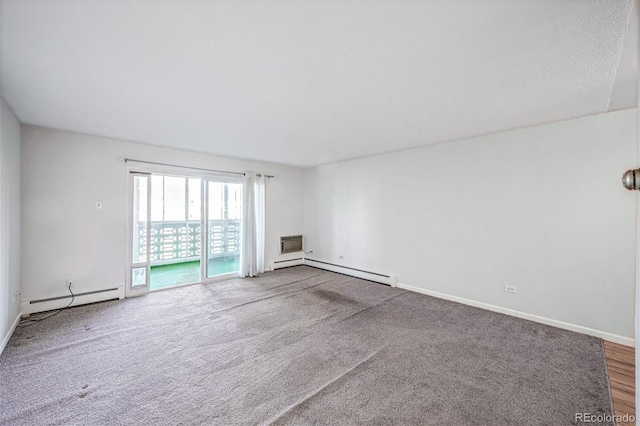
(173,242)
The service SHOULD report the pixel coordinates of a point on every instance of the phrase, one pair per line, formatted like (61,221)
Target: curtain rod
(126,160)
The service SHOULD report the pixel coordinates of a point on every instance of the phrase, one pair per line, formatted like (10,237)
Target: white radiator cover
(390,280)
(32,307)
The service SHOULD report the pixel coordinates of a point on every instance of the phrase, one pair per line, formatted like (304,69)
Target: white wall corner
(7,336)
(624,93)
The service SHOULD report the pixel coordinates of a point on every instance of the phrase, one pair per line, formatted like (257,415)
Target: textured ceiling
(307,82)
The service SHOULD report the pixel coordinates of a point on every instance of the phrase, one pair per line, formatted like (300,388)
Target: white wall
(66,237)
(9,222)
(540,208)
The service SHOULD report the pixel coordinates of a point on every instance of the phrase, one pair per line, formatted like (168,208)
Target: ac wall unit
(290,244)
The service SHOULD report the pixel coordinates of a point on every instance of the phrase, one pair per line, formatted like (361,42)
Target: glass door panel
(224,212)
(139,278)
(175,231)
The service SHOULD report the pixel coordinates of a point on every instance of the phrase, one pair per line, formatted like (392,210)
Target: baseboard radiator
(58,302)
(279,264)
(390,280)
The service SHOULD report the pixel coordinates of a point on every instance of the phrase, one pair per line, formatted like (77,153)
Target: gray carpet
(296,346)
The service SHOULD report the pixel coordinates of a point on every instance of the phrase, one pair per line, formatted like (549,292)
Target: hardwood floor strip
(622,376)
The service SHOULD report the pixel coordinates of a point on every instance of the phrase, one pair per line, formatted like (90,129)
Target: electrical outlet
(341,257)
(510,289)
(68,284)
(98,205)
(16,296)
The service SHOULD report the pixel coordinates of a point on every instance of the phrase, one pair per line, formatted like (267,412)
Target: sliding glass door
(184,229)
(175,230)
(224,212)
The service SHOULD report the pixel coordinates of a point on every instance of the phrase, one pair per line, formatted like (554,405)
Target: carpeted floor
(296,346)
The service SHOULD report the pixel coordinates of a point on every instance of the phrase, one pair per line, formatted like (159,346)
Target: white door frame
(149,170)
(130,291)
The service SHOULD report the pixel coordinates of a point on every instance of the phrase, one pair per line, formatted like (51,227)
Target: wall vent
(290,244)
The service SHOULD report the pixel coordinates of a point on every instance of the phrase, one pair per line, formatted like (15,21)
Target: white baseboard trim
(627,341)
(353,272)
(5,339)
(31,308)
